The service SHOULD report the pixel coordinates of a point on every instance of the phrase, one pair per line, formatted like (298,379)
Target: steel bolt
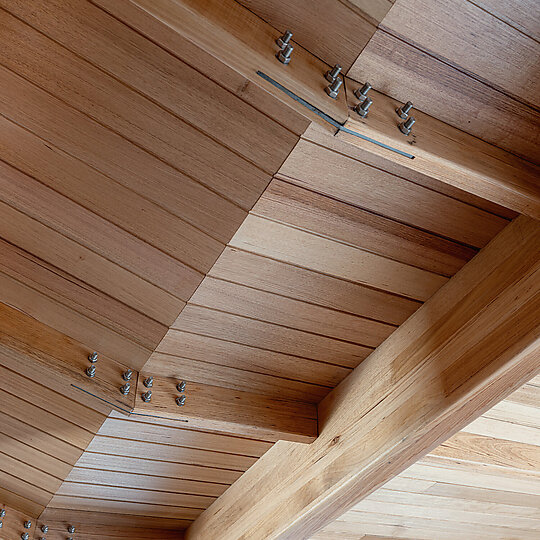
(405,127)
(180,401)
(331,74)
(44,529)
(333,88)
(124,389)
(2,513)
(25,536)
(93,357)
(403,111)
(42,538)
(181,386)
(71,529)
(284,56)
(146,396)
(91,371)
(284,39)
(27,524)
(148,382)
(363,107)
(127,375)
(1,524)
(361,93)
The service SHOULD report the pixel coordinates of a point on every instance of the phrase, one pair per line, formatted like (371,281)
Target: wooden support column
(224,410)
(58,362)
(474,342)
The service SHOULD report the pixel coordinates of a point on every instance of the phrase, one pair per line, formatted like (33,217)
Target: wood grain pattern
(293,246)
(229,75)
(311,287)
(470,318)
(154,467)
(251,358)
(321,136)
(222,27)
(354,226)
(449,155)
(479,45)
(350,28)
(235,376)
(222,410)
(92,34)
(269,337)
(137,119)
(13,522)
(404,72)
(96,318)
(375,190)
(522,15)
(468,481)
(236,299)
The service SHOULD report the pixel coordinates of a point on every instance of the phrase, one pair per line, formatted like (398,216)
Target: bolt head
(403,111)
(332,74)
(71,529)
(25,536)
(362,108)
(362,92)
(124,389)
(284,56)
(332,93)
(44,529)
(27,524)
(284,39)
(127,375)
(146,396)
(401,114)
(1,524)
(93,357)
(181,401)
(91,371)
(148,382)
(2,513)
(181,386)
(404,129)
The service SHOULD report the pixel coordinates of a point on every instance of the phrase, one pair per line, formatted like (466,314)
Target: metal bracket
(329,119)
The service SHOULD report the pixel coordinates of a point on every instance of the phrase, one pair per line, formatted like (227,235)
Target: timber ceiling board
(471,64)
(50,409)
(332,258)
(119,185)
(155,468)
(345,26)
(484,482)
(108,526)
(15,522)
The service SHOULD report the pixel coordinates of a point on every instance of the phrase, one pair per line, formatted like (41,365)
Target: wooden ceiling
(484,482)
(320,273)
(446,59)
(163,205)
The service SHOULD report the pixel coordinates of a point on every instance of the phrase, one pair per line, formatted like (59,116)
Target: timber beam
(59,362)
(225,410)
(444,153)
(474,342)
(236,37)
